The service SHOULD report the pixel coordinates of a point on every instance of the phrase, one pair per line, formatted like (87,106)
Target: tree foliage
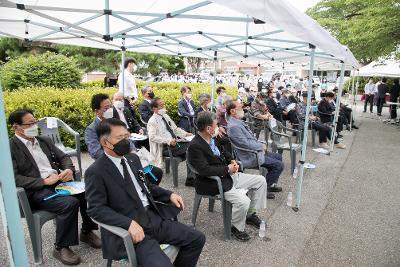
(370,28)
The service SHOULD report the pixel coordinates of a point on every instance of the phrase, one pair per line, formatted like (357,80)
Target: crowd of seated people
(117,176)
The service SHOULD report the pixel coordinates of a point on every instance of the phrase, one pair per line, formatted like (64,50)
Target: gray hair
(203,98)
(145,88)
(226,99)
(117,94)
(205,119)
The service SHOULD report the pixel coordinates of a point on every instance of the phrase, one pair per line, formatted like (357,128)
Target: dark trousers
(324,132)
(369,99)
(291,116)
(393,111)
(66,208)
(179,150)
(273,163)
(142,143)
(379,104)
(189,240)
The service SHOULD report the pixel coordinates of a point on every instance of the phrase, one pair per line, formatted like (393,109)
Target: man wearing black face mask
(118,195)
(144,107)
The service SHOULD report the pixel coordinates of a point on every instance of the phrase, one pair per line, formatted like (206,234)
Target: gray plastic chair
(279,145)
(170,251)
(173,163)
(226,205)
(54,135)
(35,219)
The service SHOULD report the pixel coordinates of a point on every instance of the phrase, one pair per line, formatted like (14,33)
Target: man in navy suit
(144,107)
(118,194)
(186,110)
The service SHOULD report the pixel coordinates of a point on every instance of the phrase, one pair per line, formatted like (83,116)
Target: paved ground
(348,215)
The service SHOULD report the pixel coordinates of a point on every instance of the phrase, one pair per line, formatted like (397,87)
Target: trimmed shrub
(47,69)
(73,105)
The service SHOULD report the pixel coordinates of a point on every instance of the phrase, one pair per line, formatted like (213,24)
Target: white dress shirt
(117,163)
(370,88)
(130,89)
(39,156)
(121,116)
(191,110)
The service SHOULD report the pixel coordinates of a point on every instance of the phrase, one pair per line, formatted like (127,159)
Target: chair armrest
(218,180)
(278,133)
(24,203)
(78,176)
(113,229)
(244,149)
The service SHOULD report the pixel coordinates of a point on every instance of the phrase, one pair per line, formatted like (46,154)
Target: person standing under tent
(382,90)
(369,92)
(394,95)
(128,86)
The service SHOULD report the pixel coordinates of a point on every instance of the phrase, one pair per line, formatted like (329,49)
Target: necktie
(214,148)
(141,217)
(168,127)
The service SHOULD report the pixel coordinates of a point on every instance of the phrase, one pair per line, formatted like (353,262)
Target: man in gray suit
(242,136)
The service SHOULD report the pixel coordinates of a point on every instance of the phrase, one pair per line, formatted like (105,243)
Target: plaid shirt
(259,108)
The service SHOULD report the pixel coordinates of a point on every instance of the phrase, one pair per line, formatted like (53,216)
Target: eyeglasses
(29,124)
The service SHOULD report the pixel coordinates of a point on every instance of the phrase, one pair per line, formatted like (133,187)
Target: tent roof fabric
(383,68)
(227,29)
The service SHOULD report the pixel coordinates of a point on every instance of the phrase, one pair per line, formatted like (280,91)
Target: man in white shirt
(39,166)
(128,86)
(369,91)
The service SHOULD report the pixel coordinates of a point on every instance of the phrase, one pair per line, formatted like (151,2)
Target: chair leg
(196,205)
(109,262)
(167,165)
(174,166)
(37,240)
(313,137)
(227,218)
(211,204)
(78,157)
(292,160)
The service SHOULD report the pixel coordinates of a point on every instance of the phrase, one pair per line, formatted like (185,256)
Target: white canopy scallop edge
(260,30)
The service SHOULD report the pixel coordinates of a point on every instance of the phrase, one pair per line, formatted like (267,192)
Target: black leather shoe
(274,188)
(91,239)
(241,236)
(189,181)
(254,220)
(340,136)
(66,256)
(270,195)
(354,127)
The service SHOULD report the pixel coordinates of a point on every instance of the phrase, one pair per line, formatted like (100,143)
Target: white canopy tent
(381,68)
(261,30)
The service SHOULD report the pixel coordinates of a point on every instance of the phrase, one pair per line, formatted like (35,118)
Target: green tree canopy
(370,28)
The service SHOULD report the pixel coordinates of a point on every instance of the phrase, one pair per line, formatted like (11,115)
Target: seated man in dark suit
(208,160)
(326,112)
(144,107)
(122,113)
(186,110)
(38,167)
(118,195)
(101,104)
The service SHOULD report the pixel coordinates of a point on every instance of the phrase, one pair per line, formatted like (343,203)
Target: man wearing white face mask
(210,160)
(163,132)
(100,104)
(186,109)
(39,166)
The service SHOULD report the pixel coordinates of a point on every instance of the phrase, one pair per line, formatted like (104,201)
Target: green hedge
(73,105)
(47,69)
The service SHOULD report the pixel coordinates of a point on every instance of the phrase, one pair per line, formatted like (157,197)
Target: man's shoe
(66,256)
(339,136)
(189,182)
(348,128)
(354,127)
(241,236)
(364,111)
(91,239)
(270,195)
(274,188)
(324,145)
(253,220)
(340,145)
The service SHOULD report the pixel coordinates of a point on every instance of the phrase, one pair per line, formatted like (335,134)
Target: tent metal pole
(305,134)
(14,234)
(214,77)
(352,93)
(122,66)
(107,17)
(338,98)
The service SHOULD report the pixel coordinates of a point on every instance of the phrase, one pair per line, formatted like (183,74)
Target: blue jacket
(184,111)
(242,137)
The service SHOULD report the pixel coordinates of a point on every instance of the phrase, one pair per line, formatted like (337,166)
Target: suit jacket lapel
(119,179)
(21,146)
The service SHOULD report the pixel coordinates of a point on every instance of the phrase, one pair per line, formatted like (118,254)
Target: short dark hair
(129,60)
(329,94)
(154,102)
(219,89)
(396,81)
(205,119)
(104,128)
(97,99)
(229,106)
(185,88)
(384,80)
(16,116)
(280,88)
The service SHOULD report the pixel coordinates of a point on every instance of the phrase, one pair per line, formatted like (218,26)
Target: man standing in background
(369,91)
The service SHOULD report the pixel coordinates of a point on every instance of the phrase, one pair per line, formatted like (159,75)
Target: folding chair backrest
(52,133)
(273,125)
